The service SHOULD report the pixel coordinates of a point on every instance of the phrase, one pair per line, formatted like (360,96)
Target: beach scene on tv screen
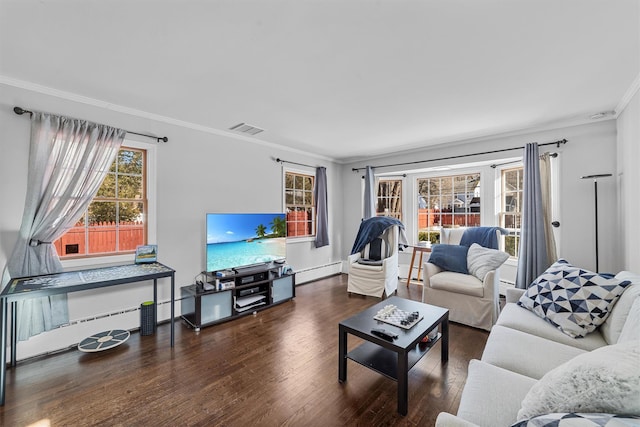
(236,240)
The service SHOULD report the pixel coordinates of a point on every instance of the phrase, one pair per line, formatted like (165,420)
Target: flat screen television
(244,239)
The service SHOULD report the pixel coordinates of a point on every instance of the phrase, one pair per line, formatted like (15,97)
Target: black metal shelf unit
(251,290)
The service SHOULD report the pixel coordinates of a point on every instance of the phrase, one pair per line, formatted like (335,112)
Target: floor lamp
(595,188)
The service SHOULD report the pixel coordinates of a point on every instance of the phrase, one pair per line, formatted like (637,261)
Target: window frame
(502,212)
(149,180)
(389,197)
(453,173)
(314,215)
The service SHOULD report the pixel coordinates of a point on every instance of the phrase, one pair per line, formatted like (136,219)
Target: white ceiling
(341,79)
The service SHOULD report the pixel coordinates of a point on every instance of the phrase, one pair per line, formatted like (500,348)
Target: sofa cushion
(456,282)
(573,419)
(574,300)
(452,236)
(491,396)
(450,258)
(603,380)
(515,317)
(612,327)
(481,260)
(364,266)
(504,349)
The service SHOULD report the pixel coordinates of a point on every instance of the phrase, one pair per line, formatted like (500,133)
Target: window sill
(512,261)
(99,261)
(292,240)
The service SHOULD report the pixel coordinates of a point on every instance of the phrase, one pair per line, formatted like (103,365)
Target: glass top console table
(73,281)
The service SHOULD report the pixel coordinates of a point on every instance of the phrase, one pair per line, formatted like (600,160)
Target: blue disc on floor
(103,340)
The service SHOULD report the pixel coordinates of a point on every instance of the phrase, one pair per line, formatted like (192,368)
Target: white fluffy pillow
(604,380)
(481,260)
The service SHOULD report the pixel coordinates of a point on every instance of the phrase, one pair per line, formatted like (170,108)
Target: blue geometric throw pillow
(583,420)
(574,300)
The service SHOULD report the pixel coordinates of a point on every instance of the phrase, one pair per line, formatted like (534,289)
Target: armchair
(376,278)
(470,301)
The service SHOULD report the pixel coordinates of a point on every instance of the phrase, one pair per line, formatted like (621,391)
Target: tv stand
(251,289)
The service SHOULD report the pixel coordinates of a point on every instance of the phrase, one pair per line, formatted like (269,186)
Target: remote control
(383,333)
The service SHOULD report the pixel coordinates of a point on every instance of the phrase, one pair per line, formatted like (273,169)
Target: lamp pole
(595,189)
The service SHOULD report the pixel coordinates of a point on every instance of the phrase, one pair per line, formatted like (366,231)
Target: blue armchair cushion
(376,250)
(450,257)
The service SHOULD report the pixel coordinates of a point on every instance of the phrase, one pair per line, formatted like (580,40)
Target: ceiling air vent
(245,128)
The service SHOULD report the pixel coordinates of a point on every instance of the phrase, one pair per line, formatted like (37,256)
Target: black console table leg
(155,303)
(173,298)
(3,351)
(14,333)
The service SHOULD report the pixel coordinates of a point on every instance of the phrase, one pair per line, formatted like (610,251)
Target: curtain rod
(557,143)
(403,175)
(20,111)
(495,165)
(279,160)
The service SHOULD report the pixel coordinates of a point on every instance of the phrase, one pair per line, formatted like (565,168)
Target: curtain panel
(322,227)
(369,193)
(533,258)
(68,160)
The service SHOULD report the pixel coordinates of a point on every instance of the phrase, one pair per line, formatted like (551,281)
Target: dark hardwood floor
(279,367)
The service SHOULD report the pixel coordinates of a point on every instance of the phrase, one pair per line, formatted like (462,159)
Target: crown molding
(70,96)
(481,136)
(635,86)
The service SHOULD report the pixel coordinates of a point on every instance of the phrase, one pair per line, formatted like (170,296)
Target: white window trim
(151,222)
(440,173)
(395,177)
(512,260)
(556,164)
(302,239)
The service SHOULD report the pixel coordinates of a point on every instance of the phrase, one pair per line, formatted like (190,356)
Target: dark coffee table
(393,359)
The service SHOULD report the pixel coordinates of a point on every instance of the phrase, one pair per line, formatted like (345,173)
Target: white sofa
(523,347)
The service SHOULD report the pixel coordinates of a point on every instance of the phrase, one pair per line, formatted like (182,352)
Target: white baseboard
(318,272)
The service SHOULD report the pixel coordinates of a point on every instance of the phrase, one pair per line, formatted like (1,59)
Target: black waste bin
(147,318)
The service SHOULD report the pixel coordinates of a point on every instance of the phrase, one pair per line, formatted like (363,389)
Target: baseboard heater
(309,274)
(105,315)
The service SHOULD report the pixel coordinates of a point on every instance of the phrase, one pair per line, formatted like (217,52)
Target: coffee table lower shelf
(385,361)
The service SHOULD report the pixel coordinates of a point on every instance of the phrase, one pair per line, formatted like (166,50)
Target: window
(389,200)
(447,201)
(116,220)
(511,206)
(300,204)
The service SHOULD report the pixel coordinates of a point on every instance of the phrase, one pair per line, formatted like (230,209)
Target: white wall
(197,172)
(591,149)
(628,176)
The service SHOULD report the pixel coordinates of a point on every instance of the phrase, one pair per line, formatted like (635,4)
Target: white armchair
(375,279)
(470,301)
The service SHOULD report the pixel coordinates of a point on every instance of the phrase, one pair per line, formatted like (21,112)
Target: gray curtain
(68,160)
(532,260)
(545,189)
(369,193)
(320,190)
